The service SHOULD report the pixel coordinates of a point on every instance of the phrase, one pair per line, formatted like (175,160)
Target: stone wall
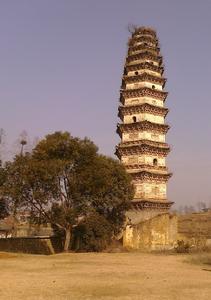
(156,233)
(30,230)
(33,245)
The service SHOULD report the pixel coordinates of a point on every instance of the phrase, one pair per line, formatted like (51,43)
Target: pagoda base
(150,226)
(158,232)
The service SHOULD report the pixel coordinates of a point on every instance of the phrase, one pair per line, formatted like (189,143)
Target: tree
(3,150)
(65,180)
(22,144)
(108,186)
(4,210)
(92,234)
(201,205)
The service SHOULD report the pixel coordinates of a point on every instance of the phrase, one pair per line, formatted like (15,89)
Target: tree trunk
(67,239)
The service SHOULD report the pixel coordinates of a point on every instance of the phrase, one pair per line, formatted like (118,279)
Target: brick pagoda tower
(142,130)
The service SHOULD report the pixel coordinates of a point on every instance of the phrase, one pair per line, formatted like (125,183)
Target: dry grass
(91,276)
(4,255)
(195,224)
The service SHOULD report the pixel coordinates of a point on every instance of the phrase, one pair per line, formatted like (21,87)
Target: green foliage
(93,234)
(107,189)
(4,210)
(63,147)
(64,179)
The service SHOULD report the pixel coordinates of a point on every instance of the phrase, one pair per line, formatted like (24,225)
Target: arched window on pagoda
(134,119)
(155,162)
(136,72)
(153,86)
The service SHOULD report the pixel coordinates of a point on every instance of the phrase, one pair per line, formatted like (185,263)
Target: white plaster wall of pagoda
(146,187)
(143,135)
(130,159)
(143,35)
(137,85)
(142,100)
(148,159)
(144,117)
(143,159)
(155,137)
(150,190)
(141,43)
(132,73)
(139,61)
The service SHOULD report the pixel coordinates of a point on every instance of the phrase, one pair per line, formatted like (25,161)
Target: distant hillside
(195,224)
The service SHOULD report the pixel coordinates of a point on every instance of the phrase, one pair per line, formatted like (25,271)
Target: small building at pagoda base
(143,148)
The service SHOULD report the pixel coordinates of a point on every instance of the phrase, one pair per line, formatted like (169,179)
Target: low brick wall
(33,245)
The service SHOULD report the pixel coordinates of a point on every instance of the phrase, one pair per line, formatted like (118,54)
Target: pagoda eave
(144,77)
(145,204)
(141,150)
(144,142)
(151,49)
(142,147)
(144,91)
(144,66)
(139,39)
(144,30)
(142,108)
(144,55)
(144,167)
(142,126)
(150,176)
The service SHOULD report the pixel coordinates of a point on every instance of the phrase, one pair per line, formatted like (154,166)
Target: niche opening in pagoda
(134,119)
(155,162)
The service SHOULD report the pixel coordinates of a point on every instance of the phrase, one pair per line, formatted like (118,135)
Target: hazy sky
(61,64)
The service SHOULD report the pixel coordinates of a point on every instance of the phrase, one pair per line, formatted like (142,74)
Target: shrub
(182,247)
(93,234)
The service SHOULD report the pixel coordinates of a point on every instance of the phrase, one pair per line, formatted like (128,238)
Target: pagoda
(142,129)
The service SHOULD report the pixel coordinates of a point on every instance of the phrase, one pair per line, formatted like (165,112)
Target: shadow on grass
(200,259)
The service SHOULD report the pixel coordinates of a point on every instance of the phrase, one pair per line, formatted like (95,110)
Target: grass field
(104,276)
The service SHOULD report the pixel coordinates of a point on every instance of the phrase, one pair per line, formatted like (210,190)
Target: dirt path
(125,276)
